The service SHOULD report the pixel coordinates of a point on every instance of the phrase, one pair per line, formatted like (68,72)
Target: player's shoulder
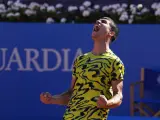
(115,58)
(82,56)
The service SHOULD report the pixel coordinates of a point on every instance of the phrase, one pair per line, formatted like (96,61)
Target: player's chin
(94,34)
(93,38)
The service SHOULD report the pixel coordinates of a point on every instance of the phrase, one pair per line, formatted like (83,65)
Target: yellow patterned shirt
(94,74)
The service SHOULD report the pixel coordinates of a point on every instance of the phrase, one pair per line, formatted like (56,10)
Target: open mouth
(96,28)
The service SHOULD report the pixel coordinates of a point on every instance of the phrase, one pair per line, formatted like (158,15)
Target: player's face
(101,29)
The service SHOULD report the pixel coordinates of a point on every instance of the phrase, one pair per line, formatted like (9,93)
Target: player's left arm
(116,100)
(117,76)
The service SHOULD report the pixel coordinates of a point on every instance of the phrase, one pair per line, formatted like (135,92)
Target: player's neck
(100,47)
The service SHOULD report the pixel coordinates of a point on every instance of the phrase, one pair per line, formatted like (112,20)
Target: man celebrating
(97,78)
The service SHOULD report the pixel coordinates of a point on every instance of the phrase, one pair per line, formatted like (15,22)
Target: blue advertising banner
(36,58)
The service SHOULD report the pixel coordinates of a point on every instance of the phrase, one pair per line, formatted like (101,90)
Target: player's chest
(94,66)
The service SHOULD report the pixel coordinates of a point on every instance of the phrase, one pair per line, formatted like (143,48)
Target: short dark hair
(114,28)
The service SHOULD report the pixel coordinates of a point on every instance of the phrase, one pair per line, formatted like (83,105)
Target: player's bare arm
(116,100)
(61,99)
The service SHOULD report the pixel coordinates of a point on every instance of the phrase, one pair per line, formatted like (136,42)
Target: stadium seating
(149,82)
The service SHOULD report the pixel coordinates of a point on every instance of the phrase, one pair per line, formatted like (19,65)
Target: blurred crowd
(78,2)
(80,11)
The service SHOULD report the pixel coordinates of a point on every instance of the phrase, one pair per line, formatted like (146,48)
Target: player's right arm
(61,99)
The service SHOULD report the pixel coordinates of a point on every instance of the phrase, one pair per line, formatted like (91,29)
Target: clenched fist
(46,98)
(101,101)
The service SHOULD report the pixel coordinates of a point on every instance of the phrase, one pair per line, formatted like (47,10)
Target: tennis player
(97,78)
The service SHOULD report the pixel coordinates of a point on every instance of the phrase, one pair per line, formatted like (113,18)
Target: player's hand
(46,98)
(101,101)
